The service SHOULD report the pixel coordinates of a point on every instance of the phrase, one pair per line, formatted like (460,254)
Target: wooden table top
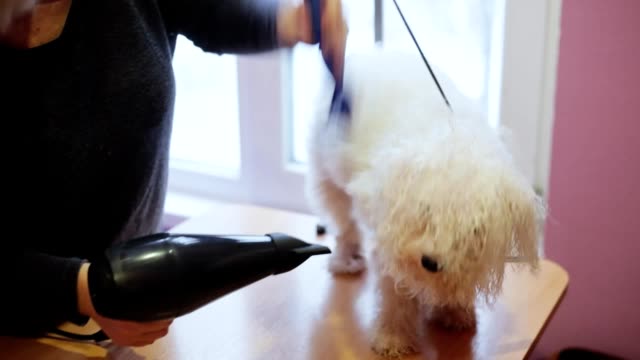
(310,314)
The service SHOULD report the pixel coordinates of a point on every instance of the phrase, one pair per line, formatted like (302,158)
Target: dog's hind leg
(348,255)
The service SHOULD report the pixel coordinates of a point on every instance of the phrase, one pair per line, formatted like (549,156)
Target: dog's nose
(430,264)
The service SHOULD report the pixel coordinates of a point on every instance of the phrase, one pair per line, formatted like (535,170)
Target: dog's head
(448,211)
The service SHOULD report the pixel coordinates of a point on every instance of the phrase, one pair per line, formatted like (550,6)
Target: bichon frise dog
(435,193)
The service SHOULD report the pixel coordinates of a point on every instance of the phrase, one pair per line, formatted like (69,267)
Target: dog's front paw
(454,318)
(392,345)
(346,263)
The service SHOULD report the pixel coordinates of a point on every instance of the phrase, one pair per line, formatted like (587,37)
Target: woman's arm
(39,291)
(247,26)
(225,26)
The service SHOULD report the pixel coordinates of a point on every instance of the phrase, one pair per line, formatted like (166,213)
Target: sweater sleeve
(39,292)
(224,26)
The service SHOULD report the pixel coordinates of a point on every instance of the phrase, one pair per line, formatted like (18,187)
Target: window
(455,35)
(255,109)
(206,131)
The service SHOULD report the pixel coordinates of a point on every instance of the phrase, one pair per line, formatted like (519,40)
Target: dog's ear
(527,213)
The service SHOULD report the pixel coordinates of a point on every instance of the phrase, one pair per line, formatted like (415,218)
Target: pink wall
(594,230)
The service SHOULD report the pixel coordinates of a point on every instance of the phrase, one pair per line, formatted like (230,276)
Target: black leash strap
(424,58)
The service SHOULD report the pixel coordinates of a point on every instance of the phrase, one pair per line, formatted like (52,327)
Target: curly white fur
(418,180)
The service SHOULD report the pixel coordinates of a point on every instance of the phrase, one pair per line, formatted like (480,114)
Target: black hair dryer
(167,275)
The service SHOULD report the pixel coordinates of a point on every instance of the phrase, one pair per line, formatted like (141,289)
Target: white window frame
(524,75)
(526,98)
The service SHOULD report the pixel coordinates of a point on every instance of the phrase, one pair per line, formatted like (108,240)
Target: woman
(87,103)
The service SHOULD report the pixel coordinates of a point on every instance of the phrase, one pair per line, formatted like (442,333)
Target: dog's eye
(430,264)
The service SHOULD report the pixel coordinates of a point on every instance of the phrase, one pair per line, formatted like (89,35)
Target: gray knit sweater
(86,129)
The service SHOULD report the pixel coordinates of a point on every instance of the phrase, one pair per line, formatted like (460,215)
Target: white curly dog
(434,193)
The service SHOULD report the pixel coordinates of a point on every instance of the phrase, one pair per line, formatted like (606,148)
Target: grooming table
(310,314)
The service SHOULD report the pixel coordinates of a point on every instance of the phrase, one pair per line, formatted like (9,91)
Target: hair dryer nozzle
(312,250)
(294,252)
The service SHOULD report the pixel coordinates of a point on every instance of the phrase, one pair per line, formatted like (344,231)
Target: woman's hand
(10,9)
(129,333)
(124,333)
(294,26)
